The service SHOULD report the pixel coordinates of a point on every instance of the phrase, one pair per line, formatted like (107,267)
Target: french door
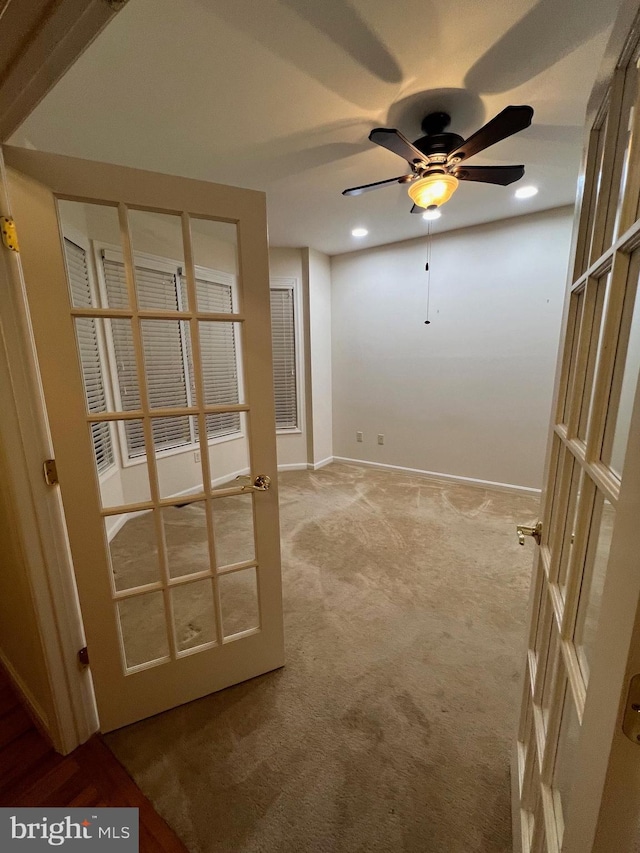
(149,301)
(577,760)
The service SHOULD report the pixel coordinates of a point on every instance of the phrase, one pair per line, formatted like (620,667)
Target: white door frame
(39,48)
(72,717)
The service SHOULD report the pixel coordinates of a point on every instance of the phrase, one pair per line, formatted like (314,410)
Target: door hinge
(83,656)
(50,472)
(631,721)
(9,233)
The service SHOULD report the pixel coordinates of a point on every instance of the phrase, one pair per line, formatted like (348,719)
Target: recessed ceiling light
(526,192)
(431,214)
(359,232)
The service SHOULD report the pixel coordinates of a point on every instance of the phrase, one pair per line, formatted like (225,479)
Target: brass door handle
(534,532)
(262,483)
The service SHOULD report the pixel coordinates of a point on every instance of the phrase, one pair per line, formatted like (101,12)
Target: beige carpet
(391,725)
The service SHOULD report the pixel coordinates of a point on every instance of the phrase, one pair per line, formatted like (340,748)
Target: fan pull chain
(428,270)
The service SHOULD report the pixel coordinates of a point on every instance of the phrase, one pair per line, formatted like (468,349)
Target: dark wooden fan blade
(403,179)
(503,175)
(416,209)
(393,140)
(511,120)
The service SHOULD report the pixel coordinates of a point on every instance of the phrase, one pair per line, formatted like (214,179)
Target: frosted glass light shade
(433,190)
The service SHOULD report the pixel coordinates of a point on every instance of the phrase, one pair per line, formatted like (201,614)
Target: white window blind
(163,344)
(167,356)
(219,357)
(86,333)
(284,357)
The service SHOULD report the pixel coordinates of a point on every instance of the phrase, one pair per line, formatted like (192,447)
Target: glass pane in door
(239,601)
(233,529)
(625,141)
(220,347)
(551,669)
(156,240)
(571,354)
(125,480)
(144,629)
(565,761)
(88,229)
(194,614)
(596,213)
(593,582)
(625,378)
(186,538)
(594,344)
(177,456)
(560,509)
(215,255)
(133,549)
(576,495)
(165,363)
(229,461)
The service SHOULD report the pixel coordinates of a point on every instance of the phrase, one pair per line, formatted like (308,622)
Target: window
(166,345)
(86,332)
(167,353)
(284,357)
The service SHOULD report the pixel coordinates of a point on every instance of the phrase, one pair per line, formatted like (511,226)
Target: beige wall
(470,394)
(321,415)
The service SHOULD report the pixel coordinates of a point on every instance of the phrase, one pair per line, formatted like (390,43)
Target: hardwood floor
(33,774)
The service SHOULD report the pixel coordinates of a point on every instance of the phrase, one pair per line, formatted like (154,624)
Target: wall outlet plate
(380,438)
(358,435)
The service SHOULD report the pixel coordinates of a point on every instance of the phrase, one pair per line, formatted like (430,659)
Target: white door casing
(576,774)
(126,692)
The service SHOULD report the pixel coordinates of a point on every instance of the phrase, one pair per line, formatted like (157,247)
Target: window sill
(105,475)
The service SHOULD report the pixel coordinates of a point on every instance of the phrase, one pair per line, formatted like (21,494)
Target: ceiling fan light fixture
(433,190)
(431,214)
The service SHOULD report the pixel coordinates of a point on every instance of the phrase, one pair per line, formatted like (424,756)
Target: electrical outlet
(196,456)
(380,438)
(358,435)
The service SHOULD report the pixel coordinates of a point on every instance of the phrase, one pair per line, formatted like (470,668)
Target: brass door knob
(534,532)
(262,483)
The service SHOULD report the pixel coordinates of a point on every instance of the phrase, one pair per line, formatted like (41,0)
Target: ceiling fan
(436,157)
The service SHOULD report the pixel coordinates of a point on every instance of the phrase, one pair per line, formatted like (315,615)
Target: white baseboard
(449,478)
(33,707)
(217,481)
(316,466)
(293,466)
(118,522)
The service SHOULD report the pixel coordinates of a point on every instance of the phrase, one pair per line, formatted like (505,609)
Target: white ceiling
(280,95)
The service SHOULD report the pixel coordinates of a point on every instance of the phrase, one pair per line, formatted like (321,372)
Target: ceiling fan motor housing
(436,144)
(436,148)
